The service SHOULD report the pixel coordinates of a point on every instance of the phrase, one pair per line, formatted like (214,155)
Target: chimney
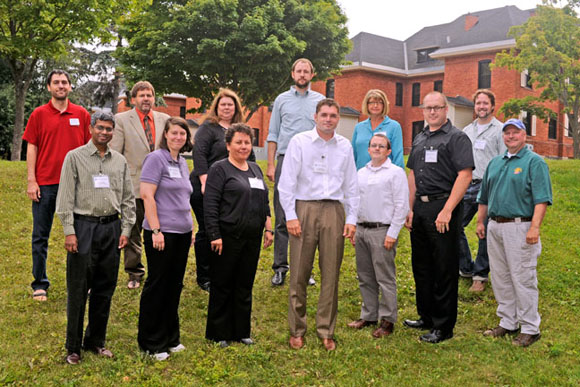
(470,21)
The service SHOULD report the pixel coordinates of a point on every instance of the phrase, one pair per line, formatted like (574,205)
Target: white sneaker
(178,348)
(160,356)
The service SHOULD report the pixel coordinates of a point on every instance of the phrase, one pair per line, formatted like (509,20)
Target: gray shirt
(292,113)
(92,185)
(486,145)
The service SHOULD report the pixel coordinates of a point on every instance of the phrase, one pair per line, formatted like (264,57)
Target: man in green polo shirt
(515,193)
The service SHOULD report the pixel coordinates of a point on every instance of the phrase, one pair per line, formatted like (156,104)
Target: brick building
(453,58)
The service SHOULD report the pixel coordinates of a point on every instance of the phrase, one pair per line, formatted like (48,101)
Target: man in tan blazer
(137,133)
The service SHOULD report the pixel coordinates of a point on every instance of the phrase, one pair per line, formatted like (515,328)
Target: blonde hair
(376,94)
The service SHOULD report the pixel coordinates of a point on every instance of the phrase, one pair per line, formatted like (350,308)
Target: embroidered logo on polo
(517,171)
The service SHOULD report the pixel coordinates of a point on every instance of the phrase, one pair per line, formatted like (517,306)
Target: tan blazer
(129,139)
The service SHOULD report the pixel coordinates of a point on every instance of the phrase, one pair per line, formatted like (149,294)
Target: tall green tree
(548,46)
(194,47)
(33,31)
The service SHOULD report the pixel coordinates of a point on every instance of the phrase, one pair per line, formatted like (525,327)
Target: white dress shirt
(315,169)
(384,196)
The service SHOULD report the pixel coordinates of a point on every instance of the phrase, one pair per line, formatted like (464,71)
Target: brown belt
(501,219)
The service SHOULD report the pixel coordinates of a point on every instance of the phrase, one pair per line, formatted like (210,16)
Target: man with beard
(136,135)
(292,113)
(486,140)
(95,189)
(52,130)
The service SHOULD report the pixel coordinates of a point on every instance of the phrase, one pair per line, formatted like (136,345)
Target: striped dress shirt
(77,193)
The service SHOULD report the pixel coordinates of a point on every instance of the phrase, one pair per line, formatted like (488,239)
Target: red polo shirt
(56,133)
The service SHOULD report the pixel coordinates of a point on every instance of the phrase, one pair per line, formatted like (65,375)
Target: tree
(32,31)
(548,46)
(194,47)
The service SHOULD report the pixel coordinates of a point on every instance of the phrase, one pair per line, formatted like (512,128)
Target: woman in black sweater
(236,212)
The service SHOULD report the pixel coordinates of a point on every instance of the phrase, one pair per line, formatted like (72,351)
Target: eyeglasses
(107,129)
(380,146)
(375,103)
(434,108)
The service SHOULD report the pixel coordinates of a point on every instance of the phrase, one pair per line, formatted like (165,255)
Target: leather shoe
(436,336)
(104,352)
(499,332)
(329,344)
(525,339)
(296,342)
(417,324)
(477,286)
(73,358)
(133,284)
(278,278)
(385,329)
(205,286)
(360,323)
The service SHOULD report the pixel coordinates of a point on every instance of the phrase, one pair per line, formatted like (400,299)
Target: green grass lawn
(32,334)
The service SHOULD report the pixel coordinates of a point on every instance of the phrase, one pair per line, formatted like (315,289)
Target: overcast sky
(400,19)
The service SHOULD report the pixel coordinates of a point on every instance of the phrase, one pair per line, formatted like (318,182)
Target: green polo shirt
(512,187)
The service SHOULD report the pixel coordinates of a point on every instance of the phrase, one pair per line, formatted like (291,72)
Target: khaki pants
(322,224)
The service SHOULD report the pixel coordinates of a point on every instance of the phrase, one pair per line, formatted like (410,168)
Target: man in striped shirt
(95,189)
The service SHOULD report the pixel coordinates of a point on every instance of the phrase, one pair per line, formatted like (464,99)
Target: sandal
(39,295)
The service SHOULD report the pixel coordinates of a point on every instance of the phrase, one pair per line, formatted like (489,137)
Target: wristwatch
(156,231)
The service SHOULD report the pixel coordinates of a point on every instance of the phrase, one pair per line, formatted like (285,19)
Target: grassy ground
(32,334)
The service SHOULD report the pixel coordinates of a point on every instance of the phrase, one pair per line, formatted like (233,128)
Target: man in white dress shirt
(319,194)
(384,204)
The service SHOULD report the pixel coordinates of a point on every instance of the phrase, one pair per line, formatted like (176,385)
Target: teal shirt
(363,133)
(512,187)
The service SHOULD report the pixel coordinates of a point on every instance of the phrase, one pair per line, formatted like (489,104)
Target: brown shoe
(329,344)
(104,352)
(360,323)
(73,358)
(385,329)
(133,284)
(525,339)
(296,342)
(499,332)
(477,286)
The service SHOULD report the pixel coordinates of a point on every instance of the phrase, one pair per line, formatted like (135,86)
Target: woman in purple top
(167,233)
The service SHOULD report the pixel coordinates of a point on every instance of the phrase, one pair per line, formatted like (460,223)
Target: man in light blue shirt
(293,112)
(487,142)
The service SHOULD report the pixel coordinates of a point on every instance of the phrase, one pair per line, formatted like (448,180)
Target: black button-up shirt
(454,153)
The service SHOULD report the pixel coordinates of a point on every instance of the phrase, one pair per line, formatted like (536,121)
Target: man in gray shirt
(293,112)
(485,134)
(95,189)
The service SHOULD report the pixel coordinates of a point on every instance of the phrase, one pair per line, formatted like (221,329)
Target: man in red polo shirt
(52,130)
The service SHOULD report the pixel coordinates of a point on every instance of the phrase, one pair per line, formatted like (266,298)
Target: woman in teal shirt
(376,106)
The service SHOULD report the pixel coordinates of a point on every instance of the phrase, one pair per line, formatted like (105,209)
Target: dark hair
(142,85)
(212,115)
(487,92)
(381,135)
(327,102)
(102,116)
(182,124)
(56,71)
(239,128)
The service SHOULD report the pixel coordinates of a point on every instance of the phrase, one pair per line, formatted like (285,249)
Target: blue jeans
(42,216)
(480,267)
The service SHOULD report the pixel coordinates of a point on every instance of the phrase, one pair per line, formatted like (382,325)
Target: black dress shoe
(436,336)
(278,278)
(205,286)
(417,324)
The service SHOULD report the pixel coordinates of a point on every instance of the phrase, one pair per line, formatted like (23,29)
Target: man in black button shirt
(441,163)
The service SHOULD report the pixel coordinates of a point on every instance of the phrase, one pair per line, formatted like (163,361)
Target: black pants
(230,298)
(95,266)
(435,264)
(202,244)
(158,312)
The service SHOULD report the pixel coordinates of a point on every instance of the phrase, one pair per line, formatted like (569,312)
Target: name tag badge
(74,122)
(431,155)
(479,144)
(256,183)
(320,167)
(174,172)
(101,181)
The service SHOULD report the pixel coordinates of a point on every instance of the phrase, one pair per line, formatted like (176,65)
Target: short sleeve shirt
(437,157)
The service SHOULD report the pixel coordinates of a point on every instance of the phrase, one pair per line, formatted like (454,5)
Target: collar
(294,90)
(520,153)
(142,115)
(386,165)
(55,110)
(314,136)
(444,128)
(93,149)
(167,156)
